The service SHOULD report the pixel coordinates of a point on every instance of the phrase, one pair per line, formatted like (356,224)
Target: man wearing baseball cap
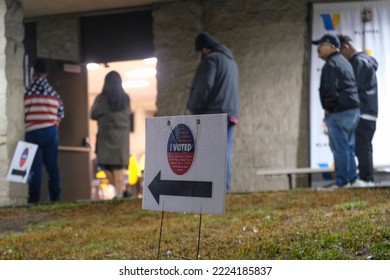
(340,100)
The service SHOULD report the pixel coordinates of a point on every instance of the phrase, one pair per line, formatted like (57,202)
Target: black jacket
(215,85)
(338,89)
(364,67)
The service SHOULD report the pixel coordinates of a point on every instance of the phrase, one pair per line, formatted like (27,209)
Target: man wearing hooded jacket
(364,67)
(215,87)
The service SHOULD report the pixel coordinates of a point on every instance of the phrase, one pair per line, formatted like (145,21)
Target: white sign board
(22,162)
(185,164)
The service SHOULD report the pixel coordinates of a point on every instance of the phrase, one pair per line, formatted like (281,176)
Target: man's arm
(202,86)
(328,88)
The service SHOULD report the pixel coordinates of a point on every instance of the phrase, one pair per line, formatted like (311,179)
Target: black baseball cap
(328,38)
(40,65)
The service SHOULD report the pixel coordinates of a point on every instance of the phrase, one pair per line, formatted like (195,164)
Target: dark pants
(364,135)
(47,154)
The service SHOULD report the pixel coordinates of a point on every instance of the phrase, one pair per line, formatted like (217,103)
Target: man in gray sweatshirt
(215,87)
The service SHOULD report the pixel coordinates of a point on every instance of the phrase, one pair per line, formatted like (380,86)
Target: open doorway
(140,83)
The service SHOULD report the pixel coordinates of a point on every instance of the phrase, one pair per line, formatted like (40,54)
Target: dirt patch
(23,221)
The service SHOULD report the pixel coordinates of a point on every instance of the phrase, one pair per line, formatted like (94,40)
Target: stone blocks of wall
(268,39)
(11,97)
(175,27)
(59,39)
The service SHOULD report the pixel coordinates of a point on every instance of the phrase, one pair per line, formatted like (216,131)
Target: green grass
(293,225)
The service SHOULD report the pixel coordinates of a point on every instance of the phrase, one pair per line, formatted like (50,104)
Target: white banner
(374,37)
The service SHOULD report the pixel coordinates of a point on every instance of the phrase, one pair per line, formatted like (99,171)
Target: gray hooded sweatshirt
(215,86)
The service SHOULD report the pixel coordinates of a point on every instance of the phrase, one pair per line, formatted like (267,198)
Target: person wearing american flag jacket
(43,110)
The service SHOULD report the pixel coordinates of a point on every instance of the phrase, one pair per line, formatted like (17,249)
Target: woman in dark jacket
(111,110)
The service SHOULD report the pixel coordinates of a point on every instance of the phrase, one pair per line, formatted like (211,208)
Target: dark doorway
(117,37)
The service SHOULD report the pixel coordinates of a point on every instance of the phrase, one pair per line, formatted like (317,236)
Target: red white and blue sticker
(181,149)
(23,158)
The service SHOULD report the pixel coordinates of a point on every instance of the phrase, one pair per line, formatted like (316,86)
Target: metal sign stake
(160,238)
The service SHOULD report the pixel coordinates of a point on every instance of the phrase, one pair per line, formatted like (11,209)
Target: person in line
(43,109)
(111,110)
(364,67)
(340,100)
(215,87)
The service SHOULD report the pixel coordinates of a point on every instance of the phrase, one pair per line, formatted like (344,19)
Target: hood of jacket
(224,50)
(371,59)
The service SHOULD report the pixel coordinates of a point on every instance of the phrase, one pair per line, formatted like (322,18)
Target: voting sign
(22,162)
(185,164)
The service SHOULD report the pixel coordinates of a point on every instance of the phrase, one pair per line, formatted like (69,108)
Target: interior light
(136,84)
(93,66)
(151,60)
(141,73)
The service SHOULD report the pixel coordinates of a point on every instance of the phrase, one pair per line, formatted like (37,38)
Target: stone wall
(269,41)
(11,96)
(59,38)
(174,27)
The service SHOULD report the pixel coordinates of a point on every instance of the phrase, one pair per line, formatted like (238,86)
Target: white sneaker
(366,184)
(357,183)
(370,184)
(333,187)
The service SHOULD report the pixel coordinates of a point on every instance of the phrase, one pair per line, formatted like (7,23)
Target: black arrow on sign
(18,172)
(179,188)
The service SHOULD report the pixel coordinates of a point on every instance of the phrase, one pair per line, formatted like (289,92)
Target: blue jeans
(341,128)
(47,154)
(229,150)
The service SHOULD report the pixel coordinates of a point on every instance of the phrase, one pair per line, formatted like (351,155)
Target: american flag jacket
(43,106)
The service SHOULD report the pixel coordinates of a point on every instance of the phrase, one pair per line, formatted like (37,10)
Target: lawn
(301,224)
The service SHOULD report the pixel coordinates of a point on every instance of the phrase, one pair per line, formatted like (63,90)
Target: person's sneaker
(363,184)
(370,184)
(357,183)
(334,187)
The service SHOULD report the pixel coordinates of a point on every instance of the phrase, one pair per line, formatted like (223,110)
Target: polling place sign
(21,162)
(185,164)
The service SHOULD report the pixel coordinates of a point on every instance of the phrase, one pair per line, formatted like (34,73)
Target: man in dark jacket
(364,67)
(215,87)
(340,100)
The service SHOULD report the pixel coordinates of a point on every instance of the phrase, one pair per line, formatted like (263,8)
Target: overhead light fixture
(93,66)
(151,60)
(141,73)
(136,84)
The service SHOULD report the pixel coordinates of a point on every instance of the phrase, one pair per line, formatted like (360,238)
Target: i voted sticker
(180,149)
